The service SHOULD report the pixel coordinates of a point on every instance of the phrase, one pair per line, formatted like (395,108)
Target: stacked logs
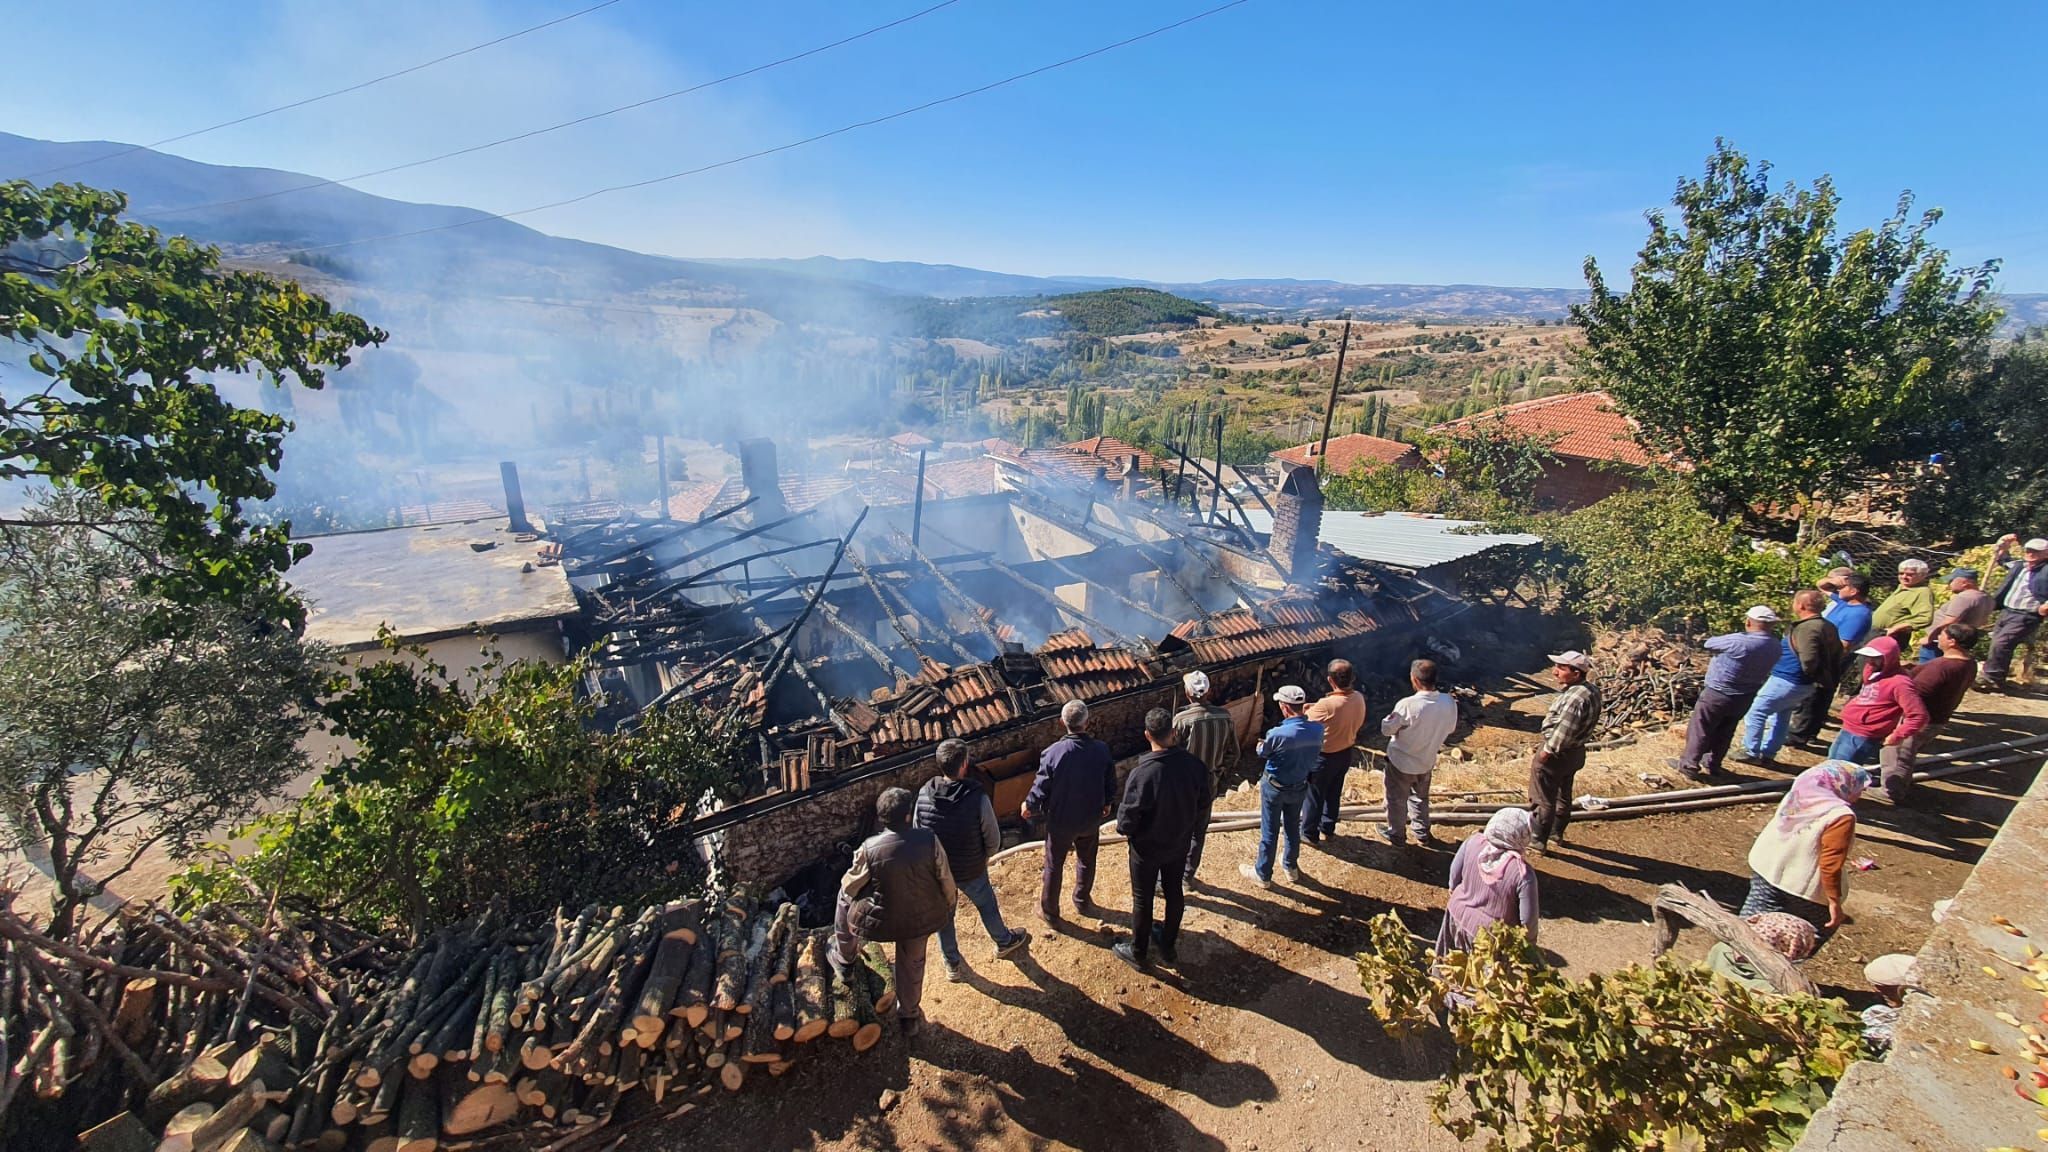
(537,1035)
(1647,678)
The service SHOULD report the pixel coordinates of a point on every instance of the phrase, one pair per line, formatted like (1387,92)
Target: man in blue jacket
(1291,751)
(2022,604)
(1073,793)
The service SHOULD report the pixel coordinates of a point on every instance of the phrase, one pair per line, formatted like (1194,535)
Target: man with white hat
(1210,735)
(2022,603)
(1292,749)
(1742,662)
(1566,728)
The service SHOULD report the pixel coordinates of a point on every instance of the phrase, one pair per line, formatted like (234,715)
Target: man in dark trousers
(1566,727)
(1164,800)
(1073,793)
(1742,662)
(955,807)
(1341,712)
(1210,735)
(899,892)
(2022,604)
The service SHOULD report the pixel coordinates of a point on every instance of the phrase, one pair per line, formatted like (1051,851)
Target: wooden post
(917,505)
(1217,494)
(1330,409)
(661,472)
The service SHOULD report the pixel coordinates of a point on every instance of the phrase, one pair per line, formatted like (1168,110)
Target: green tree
(1994,474)
(131,722)
(122,332)
(1780,360)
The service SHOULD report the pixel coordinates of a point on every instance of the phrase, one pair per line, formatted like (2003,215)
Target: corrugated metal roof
(1399,539)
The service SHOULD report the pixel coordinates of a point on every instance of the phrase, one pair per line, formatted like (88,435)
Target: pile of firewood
(1647,678)
(534,1036)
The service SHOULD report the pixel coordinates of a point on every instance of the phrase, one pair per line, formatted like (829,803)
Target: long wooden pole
(1330,409)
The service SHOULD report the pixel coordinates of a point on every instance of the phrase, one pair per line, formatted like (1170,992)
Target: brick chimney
(762,480)
(1297,519)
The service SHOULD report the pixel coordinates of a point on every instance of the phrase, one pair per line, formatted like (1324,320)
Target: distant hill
(1128,311)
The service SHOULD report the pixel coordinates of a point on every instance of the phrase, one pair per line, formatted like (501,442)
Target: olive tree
(131,723)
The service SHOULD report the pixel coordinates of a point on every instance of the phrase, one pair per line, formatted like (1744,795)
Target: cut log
(122,1133)
(534,1055)
(878,963)
(205,1078)
(419,1118)
(758,1046)
(775,951)
(693,1000)
(782,1010)
(262,1062)
(246,1140)
(481,1026)
(847,997)
(272,1123)
(499,1010)
(664,978)
(189,1117)
(733,1075)
(134,1013)
(731,984)
(229,1118)
(1702,911)
(473,1108)
(330,1140)
(813,989)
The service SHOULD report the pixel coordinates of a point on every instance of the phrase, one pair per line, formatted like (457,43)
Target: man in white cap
(1742,662)
(1210,735)
(1566,728)
(1292,749)
(2022,603)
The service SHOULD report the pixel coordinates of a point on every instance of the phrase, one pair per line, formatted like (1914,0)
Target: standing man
(2022,603)
(897,892)
(1849,611)
(1909,608)
(1941,684)
(1966,604)
(1742,662)
(1209,735)
(954,807)
(1342,714)
(1073,793)
(1566,728)
(1163,801)
(1291,749)
(1415,730)
(1811,654)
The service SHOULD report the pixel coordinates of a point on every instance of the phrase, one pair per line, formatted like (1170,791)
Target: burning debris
(840,635)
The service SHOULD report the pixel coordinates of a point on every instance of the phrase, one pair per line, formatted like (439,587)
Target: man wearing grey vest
(899,891)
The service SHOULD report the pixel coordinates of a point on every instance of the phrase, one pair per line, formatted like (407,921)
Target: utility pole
(1330,410)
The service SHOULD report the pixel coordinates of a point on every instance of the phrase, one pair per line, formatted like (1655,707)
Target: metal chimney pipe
(515,504)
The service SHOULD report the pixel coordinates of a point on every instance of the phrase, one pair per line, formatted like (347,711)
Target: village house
(1595,446)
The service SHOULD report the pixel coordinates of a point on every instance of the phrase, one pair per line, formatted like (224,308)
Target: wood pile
(484,1033)
(1647,678)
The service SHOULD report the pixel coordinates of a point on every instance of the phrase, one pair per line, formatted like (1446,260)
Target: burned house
(845,640)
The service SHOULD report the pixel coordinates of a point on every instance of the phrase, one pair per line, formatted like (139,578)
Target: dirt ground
(1261,1039)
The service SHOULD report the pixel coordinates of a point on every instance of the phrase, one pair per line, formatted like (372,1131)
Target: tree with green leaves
(131,723)
(123,333)
(1781,360)
(1993,477)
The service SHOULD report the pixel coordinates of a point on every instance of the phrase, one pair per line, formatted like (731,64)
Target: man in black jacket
(898,891)
(955,807)
(1164,800)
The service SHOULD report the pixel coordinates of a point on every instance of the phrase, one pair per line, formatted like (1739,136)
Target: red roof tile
(1110,450)
(1352,449)
(1585,425)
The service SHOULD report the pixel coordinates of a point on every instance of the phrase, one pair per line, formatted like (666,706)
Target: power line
(792,145)
(528,135)
(357,87)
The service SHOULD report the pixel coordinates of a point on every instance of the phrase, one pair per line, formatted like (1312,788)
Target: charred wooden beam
(666,532)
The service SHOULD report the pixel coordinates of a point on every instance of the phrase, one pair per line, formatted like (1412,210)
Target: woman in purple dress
(1491,882)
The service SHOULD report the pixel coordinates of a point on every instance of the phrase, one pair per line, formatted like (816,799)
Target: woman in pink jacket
(1887,711)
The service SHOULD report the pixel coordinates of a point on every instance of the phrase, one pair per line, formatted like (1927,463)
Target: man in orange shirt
(1342,714)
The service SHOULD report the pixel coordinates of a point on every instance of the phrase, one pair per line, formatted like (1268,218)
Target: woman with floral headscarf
(1796,863)
(1491,882)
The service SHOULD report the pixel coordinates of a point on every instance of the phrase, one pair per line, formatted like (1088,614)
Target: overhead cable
(792,145)
(356,87)
(528,135)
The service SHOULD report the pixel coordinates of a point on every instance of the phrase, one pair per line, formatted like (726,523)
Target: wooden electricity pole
(1330,409)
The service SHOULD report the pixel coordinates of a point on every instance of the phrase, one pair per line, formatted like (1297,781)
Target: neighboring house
(911,443)
(1349,451)
(1115,454)
(1595,445)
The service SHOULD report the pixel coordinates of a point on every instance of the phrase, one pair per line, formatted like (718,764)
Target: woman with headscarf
(1796,864)
(1491,882)
(1786,934)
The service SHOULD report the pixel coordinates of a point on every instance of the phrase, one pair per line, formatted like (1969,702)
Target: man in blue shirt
(1809,655)
(1291,751)
(1742,662)
(1849,610)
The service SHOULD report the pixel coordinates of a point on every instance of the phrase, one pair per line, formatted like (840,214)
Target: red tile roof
(1584,425)
(913,440)
(976,477)
(799,493)
(1352,449)
(1110,450)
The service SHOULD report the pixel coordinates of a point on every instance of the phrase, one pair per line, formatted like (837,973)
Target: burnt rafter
(1026,583)
(1112,593)
(981,613)
(860,640)
(659,535)
(883,600)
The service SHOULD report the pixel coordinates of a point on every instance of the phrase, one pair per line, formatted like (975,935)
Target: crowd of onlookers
(1774,683)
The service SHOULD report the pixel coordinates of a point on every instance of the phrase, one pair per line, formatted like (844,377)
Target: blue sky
(1454,142)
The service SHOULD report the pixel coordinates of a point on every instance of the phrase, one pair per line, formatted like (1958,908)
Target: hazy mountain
(948,281)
